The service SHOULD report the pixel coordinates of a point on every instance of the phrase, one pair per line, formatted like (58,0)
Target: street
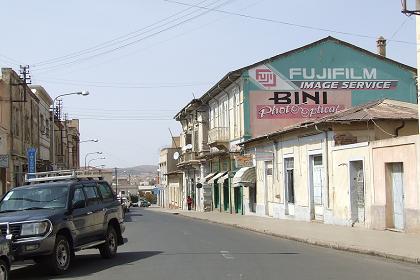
(167,246)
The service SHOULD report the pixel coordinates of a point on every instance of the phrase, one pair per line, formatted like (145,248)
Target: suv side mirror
(79,204)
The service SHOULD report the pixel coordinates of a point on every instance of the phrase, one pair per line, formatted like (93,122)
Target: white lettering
(295,72)
(369,75)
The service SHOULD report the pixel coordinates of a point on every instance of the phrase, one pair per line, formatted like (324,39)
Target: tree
(134,198)
(150,197)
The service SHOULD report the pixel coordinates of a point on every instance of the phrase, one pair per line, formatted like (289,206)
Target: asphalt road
(170,247)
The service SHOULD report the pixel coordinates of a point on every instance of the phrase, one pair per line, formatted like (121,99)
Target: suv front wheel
(59,261)
(4,270)
(109,249)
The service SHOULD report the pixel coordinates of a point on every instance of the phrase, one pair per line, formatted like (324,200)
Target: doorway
(395,196)
(226,196)
(289,186)
(268,184)
(357,192)
(317,183)
(237,193)
(252,199)
(216,195)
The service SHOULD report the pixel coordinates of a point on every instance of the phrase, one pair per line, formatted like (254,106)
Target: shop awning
(245,177)
(223,178)
(209,176)
(216,177)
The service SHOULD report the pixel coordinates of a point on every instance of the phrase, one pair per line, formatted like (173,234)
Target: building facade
(26,124)
(322,78)
(352,168)
(170,179)
(20,121)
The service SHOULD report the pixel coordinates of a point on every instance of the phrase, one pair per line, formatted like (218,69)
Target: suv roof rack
(61,175)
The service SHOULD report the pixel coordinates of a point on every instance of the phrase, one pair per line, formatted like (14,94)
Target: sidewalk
(388,244)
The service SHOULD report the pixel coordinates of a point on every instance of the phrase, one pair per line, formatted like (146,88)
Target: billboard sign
(31,155)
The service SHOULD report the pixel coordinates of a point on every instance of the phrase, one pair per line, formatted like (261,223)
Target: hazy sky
(143,79)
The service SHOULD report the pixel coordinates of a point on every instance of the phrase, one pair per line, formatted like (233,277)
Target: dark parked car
(58,214)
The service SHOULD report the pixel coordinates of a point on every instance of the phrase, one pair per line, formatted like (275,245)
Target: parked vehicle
(135,204)
(60,213)
(5,257)
(144,203)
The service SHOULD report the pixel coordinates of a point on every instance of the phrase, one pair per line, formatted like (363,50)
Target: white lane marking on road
(227,255)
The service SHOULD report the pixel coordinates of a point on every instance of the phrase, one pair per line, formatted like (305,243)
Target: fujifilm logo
(297,74)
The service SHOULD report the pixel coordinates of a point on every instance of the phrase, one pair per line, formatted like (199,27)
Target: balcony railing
(218,135)
(187,157)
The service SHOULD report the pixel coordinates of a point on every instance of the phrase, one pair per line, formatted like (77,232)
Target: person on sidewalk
(189,202)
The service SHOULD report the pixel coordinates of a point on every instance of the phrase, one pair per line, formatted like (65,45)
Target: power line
(10,60)
(118,119)
(77,109)
(285,22)
(128,86)
(112,41)
(157,43)
(399,28)
(132,42)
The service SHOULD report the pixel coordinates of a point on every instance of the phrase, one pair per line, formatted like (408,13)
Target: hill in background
(140,170)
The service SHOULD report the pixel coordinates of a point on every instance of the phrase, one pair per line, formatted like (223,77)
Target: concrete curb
(320,243)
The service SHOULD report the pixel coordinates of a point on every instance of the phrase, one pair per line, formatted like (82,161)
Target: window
(92,195)
(237,114)
(17,122)
(47,128)
(105,191)
(35,197)
(79,195)
(188,138)
(42,124)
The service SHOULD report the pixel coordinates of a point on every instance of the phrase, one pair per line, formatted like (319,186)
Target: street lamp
(94,160)
(94,153)
(89,140)
(82,93)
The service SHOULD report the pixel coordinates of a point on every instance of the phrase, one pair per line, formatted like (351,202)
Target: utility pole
(116,181)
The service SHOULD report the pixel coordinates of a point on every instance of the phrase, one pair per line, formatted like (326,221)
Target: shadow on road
(232,252)
(129,217)
(83,265)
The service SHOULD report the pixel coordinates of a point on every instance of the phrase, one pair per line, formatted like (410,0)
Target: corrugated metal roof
(384,109)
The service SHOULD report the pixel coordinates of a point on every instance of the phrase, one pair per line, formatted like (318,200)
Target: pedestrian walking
(189,202)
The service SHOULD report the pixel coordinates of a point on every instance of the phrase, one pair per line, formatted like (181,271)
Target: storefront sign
(31,154)
(273,110)
(4,161)
(337,78)
(243,161)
